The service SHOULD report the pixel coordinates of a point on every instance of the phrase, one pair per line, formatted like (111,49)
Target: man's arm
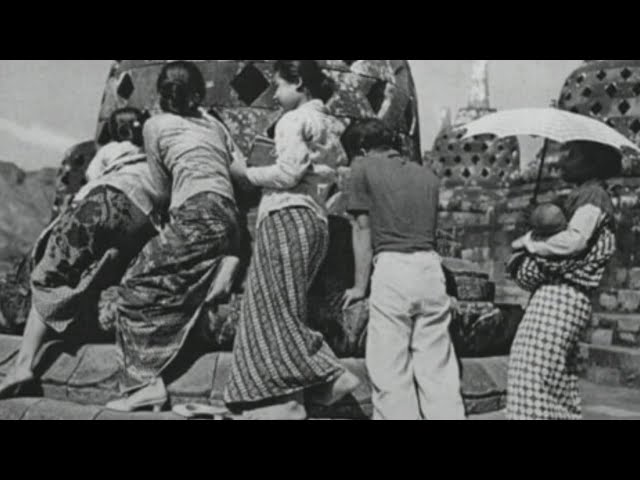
(363,252)
(359,206)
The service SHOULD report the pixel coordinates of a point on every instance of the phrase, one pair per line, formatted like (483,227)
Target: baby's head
(125,125)
(547,220)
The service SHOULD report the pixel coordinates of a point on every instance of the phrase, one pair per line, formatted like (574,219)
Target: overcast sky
(48,105)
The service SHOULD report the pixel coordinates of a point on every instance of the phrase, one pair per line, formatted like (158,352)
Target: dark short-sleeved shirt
(401,198)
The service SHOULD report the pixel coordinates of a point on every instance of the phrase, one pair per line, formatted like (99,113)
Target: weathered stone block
(629,300)
(197,381)
(634,278)
(9,346)
(48,409)
(608,301)
(627,330)
(144,416)
(482,329)
(601,336)
(624,360)
(16,408)
(62,364)
(627,339)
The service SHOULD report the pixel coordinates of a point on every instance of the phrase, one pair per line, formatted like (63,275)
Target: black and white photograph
(289,240)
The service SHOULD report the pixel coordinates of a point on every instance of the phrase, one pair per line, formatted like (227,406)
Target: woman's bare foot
(289,408)
(335,391)
(15,381)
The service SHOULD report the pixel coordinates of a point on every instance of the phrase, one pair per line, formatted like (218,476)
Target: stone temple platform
(76,384)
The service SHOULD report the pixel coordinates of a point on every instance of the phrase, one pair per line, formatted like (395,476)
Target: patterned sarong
(85,250)
(164,288)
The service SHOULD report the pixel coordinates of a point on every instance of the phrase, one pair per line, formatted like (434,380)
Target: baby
(547,220)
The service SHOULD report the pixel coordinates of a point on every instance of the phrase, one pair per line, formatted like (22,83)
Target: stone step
(88,376)
(611,365)
(619,300)
(49,409)
(617,329)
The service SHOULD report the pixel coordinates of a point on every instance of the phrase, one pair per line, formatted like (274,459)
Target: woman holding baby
(562,261)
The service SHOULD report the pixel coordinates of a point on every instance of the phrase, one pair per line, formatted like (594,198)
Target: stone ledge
(620,329)
(611,365)
(484,383)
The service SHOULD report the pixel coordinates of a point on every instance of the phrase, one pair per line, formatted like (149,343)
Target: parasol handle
(536,191)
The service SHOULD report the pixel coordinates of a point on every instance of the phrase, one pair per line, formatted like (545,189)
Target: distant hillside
(25,209)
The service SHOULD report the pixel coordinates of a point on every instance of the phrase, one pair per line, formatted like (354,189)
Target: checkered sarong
(543,376)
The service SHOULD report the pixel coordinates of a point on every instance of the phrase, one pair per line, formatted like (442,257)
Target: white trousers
(410,356)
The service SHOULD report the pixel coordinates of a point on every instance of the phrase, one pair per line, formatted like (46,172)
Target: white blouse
(309,153)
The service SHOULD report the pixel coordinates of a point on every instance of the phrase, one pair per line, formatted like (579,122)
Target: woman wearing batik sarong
(563,272)
(161,294)
(88,247)
(277,357)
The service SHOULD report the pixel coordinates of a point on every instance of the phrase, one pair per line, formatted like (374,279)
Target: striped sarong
(165,287)
(276,353)
(543,365)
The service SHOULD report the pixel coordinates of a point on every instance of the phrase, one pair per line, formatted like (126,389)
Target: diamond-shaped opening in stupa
(626,73)
(125,87)
(611,90)
(635,126)
(624,107)
(587,92)
(249,84)
(466,173)
(596,108)
(376,95)
(601,75)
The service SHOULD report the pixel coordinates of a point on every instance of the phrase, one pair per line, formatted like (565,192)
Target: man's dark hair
(369,134)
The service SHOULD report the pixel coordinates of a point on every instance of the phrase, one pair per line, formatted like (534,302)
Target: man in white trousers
(410,356)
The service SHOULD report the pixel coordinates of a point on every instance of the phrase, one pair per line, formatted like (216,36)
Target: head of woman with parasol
(582,161)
